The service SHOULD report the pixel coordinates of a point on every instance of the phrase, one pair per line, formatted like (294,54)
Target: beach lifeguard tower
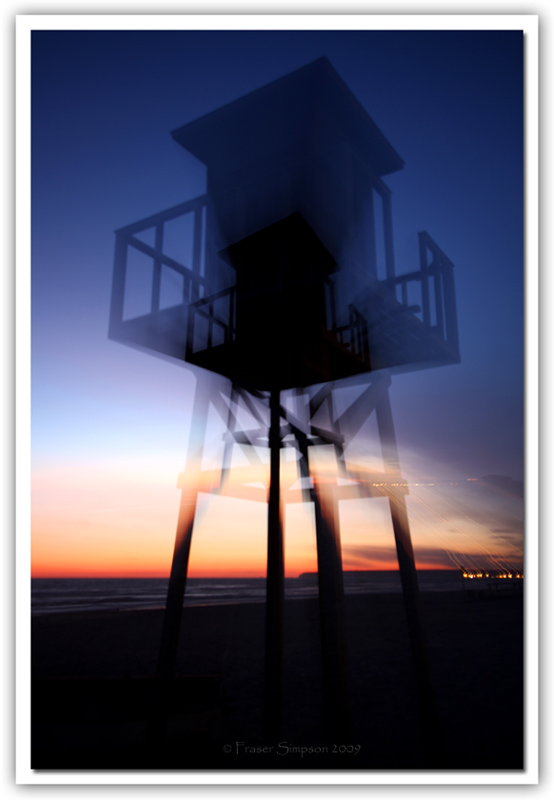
(290,291)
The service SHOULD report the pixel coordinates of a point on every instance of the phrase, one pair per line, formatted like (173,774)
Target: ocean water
(59,595)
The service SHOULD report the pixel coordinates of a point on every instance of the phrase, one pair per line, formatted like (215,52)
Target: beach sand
(92,680)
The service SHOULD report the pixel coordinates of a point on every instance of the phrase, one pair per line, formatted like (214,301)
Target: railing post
(332,308)
(424,278)
(445,294)
(439,308)
(404,286)
(118,284)
(157,274)
(210,322)
(232,321)
(385,194)
(196,252)
(371,252)
(451,314)
(189,345)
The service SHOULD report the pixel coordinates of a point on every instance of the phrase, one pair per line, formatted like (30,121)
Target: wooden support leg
(331,599)
(331,604)
(275,585)
(410,588)
(179,569)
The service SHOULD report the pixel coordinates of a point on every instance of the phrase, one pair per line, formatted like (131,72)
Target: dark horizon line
(227,577)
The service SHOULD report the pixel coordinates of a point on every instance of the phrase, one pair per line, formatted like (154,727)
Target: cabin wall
(336,194)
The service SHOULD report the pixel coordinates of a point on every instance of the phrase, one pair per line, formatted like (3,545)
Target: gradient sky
(110,424)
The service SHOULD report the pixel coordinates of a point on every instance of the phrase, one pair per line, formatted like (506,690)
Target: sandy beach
(92,681)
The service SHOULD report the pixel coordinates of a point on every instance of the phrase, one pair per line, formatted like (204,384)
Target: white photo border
(25,24)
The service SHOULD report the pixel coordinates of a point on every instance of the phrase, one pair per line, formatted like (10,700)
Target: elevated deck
(402,323)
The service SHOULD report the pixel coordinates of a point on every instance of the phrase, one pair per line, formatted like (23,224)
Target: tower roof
(310,109)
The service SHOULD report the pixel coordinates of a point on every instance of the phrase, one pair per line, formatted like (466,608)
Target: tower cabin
(292,280)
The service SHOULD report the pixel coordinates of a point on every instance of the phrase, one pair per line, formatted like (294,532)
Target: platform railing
(224,321)
(193,282)
(432,286)
(355,335)
(435,284)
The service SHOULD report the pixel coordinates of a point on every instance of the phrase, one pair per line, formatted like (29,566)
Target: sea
(63,595)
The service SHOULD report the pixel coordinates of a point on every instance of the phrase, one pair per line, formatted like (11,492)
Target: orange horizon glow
(118,521)
(214,574)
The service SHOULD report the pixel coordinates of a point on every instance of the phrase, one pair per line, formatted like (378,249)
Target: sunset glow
(97,521)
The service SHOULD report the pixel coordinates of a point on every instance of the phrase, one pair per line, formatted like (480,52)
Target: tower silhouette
(289,291)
